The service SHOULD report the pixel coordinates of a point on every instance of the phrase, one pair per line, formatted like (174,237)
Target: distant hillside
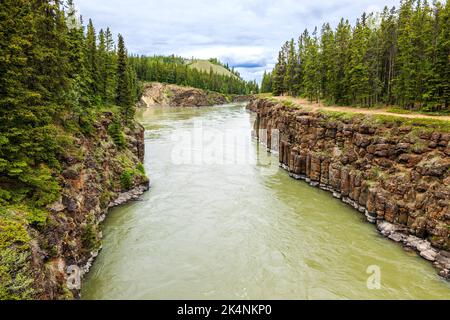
(205,65)
(193,73)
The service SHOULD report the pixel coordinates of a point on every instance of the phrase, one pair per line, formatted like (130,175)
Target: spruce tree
(343,37)
(357,72)
(388,42)
(441,67)
(124,94)
(92,61)
(110,65)
(328,62)
(312,76)
(404,89)
(291,67)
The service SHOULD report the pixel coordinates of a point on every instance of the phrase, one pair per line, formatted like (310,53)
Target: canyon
(235,225)
(396,173)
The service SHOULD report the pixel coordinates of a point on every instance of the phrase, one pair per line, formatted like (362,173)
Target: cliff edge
(395,171)
(170,95)
(44,253)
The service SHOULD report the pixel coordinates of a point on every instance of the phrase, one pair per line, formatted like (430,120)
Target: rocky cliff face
(397,174)
(102,175)
(159,94)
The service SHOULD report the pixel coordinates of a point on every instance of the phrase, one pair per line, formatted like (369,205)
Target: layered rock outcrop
(159,94)
(103,174)
(396,174)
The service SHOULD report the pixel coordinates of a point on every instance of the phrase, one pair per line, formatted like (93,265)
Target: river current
(223,221)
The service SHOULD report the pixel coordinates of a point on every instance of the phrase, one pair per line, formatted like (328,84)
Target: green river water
(223,221)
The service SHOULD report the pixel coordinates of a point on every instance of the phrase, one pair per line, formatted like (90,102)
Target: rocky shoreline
(394,232)
(374,168)
(123,198)
(103,175)
(127,196)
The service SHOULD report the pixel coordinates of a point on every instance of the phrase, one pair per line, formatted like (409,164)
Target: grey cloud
(246,34)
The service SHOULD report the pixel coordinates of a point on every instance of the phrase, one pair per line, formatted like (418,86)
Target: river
(223,221)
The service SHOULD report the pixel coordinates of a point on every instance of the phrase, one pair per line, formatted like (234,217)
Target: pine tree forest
(176,70)
(55,74)
(398,57)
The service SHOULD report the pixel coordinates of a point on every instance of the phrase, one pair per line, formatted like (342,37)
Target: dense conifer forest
(55,74)
(57,77)
(176,70)
(397,57)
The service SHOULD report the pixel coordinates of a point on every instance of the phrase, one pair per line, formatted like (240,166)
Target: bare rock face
(159,94)
(398,176)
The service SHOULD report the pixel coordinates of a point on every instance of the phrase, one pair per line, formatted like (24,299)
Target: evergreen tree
(124,97)
(388,42)
(441,68)
(279,73)
(92,60)
(266,84)
(312,76)
(80,92)
(328,62)
(34,81)
(291,67)
(357,72)
(405,78)
(342,58)
(110,66)
(397,57)
(101,55)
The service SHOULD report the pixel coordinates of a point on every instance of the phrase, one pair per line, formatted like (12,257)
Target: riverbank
(50,253)
(381,111)
(394,172)
(170,95)
(258,234)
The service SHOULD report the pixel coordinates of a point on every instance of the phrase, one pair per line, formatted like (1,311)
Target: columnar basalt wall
(397,175)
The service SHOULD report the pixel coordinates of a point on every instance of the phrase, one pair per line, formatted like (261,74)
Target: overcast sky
(245,33)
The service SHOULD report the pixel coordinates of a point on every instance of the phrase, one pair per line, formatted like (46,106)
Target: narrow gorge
(259,233)
(173,150)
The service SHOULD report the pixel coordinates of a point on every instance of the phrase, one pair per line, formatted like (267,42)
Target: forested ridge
(55,76)
(176,70)
(396,57)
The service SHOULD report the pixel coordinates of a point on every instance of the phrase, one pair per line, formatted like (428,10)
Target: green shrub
(126,179)
(37,218)
(89,237)
(115,131)
(15,277)
(141,169)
